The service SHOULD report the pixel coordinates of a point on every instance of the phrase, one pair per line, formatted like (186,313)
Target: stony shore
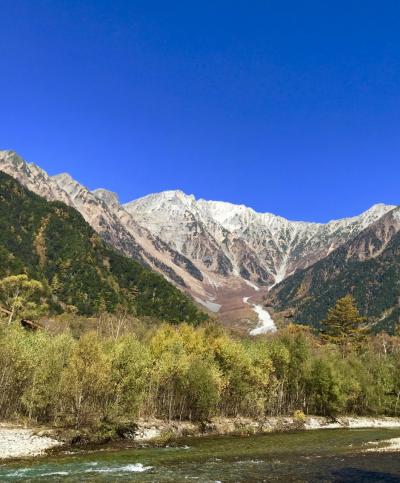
(389,445)
(18,442)
(154,430)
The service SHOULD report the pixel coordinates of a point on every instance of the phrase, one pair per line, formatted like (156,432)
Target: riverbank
(159,431)
(19,442)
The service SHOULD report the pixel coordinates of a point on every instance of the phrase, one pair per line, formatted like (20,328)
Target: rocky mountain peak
(171,200)
(108,197)
(255,244)
(31,176)
(66,181)
(10,160)
(9,154)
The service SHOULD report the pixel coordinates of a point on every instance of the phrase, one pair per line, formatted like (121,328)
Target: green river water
(309,456)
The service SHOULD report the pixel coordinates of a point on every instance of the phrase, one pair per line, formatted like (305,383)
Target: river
(307,456)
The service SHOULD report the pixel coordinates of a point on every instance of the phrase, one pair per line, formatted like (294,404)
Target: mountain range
(224,254)
(367,266)
(80,273)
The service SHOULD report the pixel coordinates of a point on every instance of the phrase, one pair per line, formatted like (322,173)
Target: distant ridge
(367,266)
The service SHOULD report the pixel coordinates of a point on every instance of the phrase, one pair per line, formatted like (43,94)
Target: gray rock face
(216,251)
(231,239)
(108,197)
(366,266)
(100,209)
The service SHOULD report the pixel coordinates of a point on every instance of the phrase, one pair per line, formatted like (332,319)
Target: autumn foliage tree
(190,373)
(18,294)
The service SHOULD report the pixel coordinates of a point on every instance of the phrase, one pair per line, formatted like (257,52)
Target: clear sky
(291,107)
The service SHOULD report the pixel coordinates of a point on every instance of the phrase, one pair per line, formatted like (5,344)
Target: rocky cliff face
(367,266)
(100,209)
(217,251)
(235,240)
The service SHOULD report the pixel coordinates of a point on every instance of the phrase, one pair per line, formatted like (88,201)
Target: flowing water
(309,456)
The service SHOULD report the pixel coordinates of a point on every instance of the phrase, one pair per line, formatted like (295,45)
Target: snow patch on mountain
(265,321)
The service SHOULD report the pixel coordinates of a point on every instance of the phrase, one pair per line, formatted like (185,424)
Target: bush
(299,416)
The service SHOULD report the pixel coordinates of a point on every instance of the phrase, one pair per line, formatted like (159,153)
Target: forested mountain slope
(367,267)
(220,253)
(103,213)
(51,242)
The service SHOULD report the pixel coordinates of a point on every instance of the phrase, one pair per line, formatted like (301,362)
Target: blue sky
(291,107)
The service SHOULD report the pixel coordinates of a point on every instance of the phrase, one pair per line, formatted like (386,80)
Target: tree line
(115,373)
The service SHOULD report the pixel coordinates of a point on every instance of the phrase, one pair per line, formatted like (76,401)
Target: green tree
(17,294)
(48,356)
(327,395)
(343,323)
(245,373)
(86,388)
(130,372)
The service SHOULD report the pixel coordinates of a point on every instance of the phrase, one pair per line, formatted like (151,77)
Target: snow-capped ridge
(175,198)
(375,211)
(223,211)
(265,247)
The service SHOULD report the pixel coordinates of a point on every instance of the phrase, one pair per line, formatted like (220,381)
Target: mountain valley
(228,257)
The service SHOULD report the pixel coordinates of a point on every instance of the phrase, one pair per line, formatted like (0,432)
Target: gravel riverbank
(18,442)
